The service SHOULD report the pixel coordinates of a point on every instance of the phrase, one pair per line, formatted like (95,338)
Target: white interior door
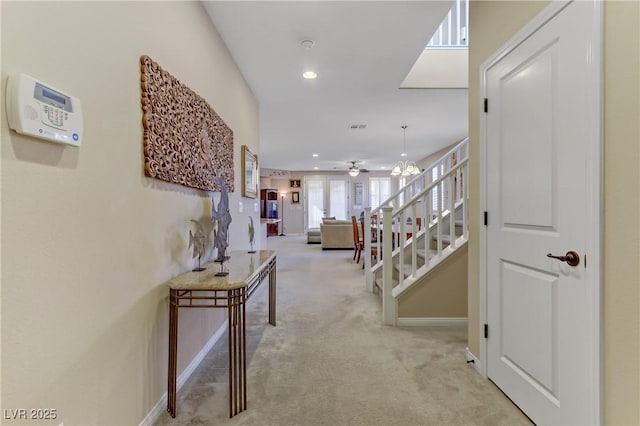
(542,325)
(325,196)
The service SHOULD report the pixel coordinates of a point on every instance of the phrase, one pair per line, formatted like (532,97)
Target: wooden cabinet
(272,229)
(269,209)
(269,203)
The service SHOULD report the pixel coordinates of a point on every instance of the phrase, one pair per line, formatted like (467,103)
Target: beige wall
(621,213)
(429,160)
(87,240)
(491,24)
(440,294)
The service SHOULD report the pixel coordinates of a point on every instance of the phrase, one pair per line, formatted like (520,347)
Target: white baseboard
(421,322)
(471,357)
(161,406)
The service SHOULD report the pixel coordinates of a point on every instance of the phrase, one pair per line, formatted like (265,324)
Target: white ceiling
(441,68)
(363,52)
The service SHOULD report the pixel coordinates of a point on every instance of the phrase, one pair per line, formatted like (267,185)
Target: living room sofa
(336,234)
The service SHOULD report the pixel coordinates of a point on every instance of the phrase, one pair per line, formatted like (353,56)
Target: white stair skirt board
(421,322)
(476,362)
(161,406)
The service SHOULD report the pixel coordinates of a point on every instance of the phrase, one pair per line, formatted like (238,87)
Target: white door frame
(594,195)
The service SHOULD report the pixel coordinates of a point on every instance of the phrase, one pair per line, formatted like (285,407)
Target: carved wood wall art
(185,141)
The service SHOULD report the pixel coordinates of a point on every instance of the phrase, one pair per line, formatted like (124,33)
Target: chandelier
(404,168)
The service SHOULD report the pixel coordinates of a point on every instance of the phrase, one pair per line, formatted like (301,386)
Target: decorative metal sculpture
(197,241)
(252,234)
(185,141)
(221,219)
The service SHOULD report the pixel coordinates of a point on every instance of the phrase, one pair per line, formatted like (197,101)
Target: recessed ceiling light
(309,75)
(314,155)
(404,154)
(307,44)
(315,168)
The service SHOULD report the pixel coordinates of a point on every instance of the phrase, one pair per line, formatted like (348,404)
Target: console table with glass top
(206,290)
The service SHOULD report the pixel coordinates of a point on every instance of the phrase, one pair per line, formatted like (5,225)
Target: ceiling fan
(355,170)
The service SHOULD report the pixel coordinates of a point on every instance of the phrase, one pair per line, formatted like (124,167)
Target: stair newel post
(388,302)
(452,211)
(369,278)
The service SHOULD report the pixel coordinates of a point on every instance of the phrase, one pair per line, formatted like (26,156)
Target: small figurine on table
(252,234)
(197,242)
(221,219)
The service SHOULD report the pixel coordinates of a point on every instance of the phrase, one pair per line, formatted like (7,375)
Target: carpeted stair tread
(421,253)
(446,238)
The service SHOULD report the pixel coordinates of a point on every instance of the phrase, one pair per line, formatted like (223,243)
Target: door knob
(572,258)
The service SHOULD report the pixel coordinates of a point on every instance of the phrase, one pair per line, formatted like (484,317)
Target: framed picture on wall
(295,197)
(295,183)
(249,173)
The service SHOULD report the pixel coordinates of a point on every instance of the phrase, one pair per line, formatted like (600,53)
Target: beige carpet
(329,361)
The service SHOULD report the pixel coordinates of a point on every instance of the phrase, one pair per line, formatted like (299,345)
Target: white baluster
(414,239)
(452,213)
(465,199)
(457,6)
(400,238)
(388,302)
(439,226)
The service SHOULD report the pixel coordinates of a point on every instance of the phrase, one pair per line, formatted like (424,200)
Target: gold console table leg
(173,352)
(224,296)
(272,295)
(237,352)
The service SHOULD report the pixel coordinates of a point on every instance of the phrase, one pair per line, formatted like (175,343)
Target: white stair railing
(461,150)
(404,247)
(453,30)
(404,194)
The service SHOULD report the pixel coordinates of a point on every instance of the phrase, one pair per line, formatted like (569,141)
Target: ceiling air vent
(357,126)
